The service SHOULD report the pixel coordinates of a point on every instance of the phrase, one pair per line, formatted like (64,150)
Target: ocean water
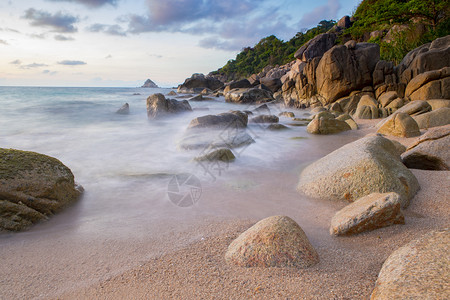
(128,166)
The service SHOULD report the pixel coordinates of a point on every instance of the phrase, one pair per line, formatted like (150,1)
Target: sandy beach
(189,263)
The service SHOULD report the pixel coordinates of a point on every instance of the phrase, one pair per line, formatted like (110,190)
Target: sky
(121,43)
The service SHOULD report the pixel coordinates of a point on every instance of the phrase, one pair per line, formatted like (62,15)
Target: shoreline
(348,266)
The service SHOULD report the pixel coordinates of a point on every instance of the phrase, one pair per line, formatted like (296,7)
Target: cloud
(33,65)
(59,22)
(9,30)
(49,72)
(108,29)
(91,3)
(15,62)
(226,25)
(109,56)
(63,38)
(3,42)
(72,62)
(324,12)
(38,36)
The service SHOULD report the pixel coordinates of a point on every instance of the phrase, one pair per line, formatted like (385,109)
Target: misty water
(125,164)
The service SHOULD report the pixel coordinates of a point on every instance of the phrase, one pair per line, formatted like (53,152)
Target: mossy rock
(33,186)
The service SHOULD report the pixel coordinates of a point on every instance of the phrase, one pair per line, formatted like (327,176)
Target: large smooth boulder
(368,213)
(430,85)
(438,117)
(418,270)
(327,126)
(400,124)
(198,82)
(387,98)
(430,151)
(438,103)
(276,241)
(158,106)
(414,108)
(316,47)
(342,70)
(33,187)
(428,57)
(368,165)
(248,95)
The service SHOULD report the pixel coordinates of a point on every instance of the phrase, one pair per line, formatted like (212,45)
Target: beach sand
(348,266)
(189,263)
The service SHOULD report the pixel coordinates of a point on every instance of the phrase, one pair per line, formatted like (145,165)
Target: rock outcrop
(316,47)
(430,151)
(197,83)
(418,270)
(33,187)
(276,241)
(158,106)
(433,84)
(149,84)
(368,213)
(368,165)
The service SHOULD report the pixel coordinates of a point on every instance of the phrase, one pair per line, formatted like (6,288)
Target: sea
(134,176)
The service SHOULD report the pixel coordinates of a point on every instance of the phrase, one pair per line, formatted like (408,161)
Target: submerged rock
(276,241)
(368,213)
(418,270)
(158,106)
(264,119)
(277,126)
(124,110)
(33,187)
(287,114)
(215,138)
(368,165)
(221,154)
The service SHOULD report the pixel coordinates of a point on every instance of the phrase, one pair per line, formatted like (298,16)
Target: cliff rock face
(149,84)
(324,74)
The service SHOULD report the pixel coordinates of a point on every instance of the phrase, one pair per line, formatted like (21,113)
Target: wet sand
(183,256)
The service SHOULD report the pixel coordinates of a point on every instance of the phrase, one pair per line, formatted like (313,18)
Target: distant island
(149,84)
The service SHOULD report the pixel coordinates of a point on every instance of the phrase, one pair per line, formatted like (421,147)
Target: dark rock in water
(172,93)
(264,119)
(136,94)
(249,113)
(199,97)
(430,151)
(215,138)
(234,119)
(158,106)
(276,241)
(262,109)
(198,82)
(287,114)
(124,110)
(149,84)
(221,154)
(33,187)
(277,126)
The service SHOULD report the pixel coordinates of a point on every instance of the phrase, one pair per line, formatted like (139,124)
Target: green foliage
(269,51)
(426,20)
